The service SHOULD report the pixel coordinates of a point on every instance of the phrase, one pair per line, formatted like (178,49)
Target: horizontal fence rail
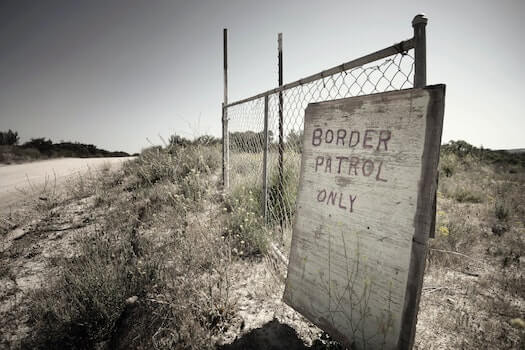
(401,47)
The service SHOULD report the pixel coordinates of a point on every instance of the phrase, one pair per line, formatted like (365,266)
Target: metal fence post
(281,123)
(265,161)
(225,136)
(419,24)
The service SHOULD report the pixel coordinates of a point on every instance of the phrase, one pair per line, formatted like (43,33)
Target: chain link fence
(266,157)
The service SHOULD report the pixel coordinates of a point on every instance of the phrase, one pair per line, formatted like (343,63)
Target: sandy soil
(463,306)
(19,181)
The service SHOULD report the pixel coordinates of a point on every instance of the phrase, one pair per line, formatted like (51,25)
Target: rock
(17,234)
(10,237)
(132,300)
(517,323)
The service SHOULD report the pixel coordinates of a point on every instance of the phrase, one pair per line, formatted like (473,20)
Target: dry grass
(474,287)
(474,284)
(148,257)
(147,269)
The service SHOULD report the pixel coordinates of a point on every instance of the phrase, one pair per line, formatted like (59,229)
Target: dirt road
(19,181)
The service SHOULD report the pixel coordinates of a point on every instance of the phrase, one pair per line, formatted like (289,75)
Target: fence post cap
(419,19)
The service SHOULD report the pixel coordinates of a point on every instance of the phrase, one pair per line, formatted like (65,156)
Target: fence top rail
(401,47)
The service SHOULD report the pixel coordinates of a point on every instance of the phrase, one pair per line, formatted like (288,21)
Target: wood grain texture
(367,178)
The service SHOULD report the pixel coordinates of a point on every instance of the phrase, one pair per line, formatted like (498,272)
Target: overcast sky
(117,73)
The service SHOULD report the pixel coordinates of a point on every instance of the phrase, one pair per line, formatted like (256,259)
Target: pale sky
(119,73)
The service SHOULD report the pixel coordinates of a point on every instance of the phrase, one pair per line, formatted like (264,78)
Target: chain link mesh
(247,139)
(246,134)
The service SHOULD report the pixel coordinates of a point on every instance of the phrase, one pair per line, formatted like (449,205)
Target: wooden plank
(424,220)
(384,53)
(364,211)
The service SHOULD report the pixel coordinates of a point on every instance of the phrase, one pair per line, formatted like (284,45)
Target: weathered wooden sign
(364,212)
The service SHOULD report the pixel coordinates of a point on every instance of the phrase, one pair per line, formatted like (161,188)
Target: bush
(152,166)
(246,226)
(173,164)
(463,195)
(448,164)
(463,150)
(454,233)
(84,305)
(501,211)
(9,138)
(9,154)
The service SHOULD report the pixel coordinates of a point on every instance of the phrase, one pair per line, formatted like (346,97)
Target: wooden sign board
(364,212)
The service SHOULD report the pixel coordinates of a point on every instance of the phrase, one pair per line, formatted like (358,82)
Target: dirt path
(20,180)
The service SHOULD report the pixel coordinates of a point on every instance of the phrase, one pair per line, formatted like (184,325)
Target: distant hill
(515,150)
(69,149)
(463,149)
(40,148)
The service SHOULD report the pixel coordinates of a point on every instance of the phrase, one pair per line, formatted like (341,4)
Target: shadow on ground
(276,336)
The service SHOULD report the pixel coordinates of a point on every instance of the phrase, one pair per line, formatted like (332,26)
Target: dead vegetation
(474,290)
(155,256)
